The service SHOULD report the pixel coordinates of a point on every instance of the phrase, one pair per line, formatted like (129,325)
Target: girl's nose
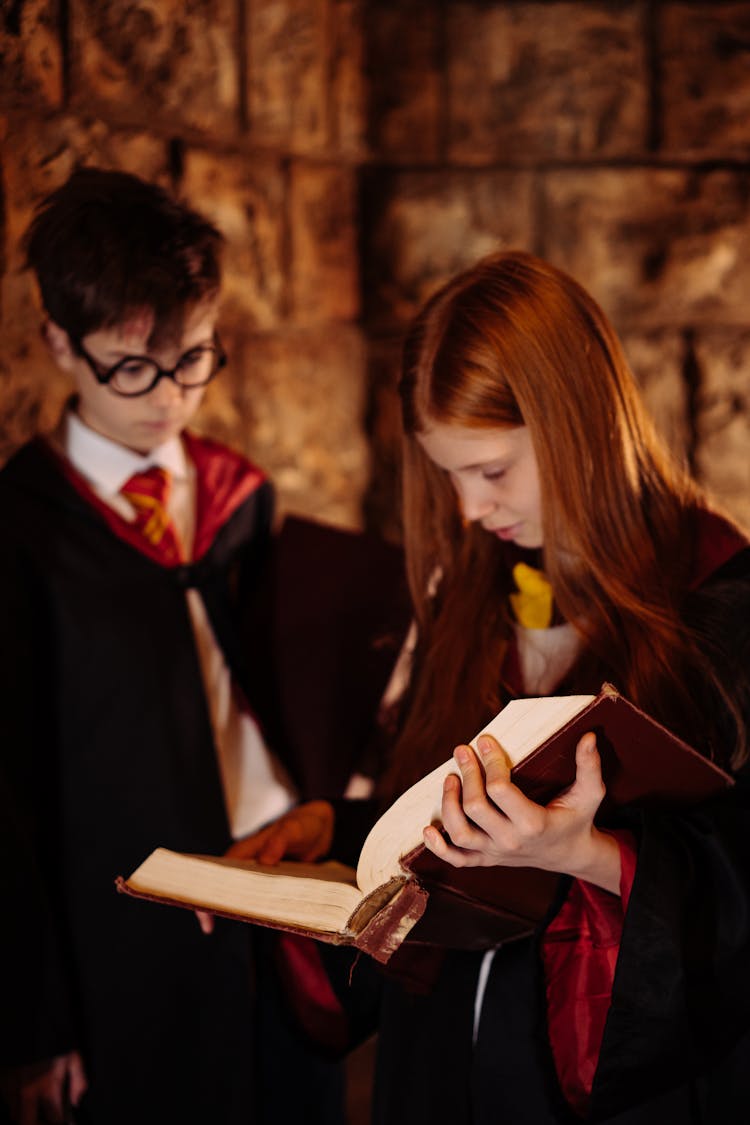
(474,500)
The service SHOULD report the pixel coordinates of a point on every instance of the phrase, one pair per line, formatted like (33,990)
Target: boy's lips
(161,423)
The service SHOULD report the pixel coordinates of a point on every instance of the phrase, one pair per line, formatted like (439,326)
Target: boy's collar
(109,465)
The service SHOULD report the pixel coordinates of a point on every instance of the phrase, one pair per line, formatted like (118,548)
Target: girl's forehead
(461,447)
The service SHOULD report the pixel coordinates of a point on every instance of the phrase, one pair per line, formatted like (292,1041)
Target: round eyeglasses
(135,375)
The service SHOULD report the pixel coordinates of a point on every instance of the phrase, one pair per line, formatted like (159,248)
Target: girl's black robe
(676,1047)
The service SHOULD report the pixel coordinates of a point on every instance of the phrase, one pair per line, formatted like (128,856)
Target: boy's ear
(58,342)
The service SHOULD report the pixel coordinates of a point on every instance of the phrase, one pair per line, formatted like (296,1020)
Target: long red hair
(514,341)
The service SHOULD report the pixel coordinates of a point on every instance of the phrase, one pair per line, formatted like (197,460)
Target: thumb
(587,791)
(205,921)
(77,1081)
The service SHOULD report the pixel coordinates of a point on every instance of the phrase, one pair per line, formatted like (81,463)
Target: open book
(400,889)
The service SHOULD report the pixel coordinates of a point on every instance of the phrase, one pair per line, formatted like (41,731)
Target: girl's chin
(519,535)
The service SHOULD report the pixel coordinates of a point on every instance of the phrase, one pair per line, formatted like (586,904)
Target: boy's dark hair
(107,244)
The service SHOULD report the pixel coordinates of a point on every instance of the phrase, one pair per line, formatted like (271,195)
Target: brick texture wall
(253,113)
(356,153)
(611,138)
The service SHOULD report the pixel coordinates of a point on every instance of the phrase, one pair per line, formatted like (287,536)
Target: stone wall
(357,152)
(253,113)
(613,139)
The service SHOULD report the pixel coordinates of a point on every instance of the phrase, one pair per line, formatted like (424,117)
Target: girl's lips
(506,532)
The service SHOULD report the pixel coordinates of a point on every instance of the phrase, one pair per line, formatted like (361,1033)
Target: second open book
(399,888)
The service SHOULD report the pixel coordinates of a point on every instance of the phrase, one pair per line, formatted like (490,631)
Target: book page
(316,896)
(521,726)
(524,724)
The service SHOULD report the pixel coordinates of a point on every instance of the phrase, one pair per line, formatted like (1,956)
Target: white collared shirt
(256,787)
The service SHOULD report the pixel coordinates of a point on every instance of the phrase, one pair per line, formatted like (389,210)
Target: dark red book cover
(642,763)
(432,903)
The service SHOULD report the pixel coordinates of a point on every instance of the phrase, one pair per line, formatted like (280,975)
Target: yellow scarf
(533,604)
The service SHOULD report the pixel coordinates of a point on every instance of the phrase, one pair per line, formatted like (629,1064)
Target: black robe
(676,1047)
(106,751)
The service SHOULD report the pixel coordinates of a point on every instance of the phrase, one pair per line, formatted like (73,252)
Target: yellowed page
(314,896)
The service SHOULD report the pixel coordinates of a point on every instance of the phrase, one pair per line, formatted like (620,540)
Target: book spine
(389,927)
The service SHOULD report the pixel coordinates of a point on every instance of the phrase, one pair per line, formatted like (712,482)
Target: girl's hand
(490,822)
(304,833)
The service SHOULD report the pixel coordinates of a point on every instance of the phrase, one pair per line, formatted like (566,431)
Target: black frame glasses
(179,374)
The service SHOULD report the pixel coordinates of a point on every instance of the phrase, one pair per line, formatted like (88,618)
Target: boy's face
(148,420)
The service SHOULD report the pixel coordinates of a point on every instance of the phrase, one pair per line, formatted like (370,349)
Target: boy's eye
(134,367)
(191,358)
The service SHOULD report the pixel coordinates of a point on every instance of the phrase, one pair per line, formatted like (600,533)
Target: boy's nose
(165,392)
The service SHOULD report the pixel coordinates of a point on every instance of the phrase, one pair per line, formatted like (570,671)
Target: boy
(128,547)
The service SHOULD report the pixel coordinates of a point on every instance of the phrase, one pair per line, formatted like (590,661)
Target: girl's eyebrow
(500,462)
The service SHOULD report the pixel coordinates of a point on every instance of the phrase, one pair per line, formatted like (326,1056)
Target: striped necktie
(148,492)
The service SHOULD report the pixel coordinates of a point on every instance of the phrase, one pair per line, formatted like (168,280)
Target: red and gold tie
(148,492)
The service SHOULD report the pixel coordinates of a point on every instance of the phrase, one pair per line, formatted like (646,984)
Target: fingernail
(484,745)
(461,755)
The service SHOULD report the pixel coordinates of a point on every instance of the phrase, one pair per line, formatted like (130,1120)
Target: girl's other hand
(490,821)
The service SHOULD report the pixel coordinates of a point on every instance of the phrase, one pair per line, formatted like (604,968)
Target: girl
(552,544)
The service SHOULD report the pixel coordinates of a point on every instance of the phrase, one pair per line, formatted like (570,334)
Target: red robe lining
(224,480)
(580,946)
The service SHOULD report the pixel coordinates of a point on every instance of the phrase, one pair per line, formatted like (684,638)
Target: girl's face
(495,475)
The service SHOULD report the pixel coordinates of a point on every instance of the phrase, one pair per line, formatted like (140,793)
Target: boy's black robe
(106,751)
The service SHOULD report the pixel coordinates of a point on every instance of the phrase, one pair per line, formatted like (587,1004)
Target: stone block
(324,261)
(287,73)
(404,78)
(247,201)
(158,62)
(723,417)
(220,415)
(302,396)
(423,227)
(39,157)
(705,79)
(34,391)
(545,81)
(41,153)
(31,62)
(655,246)
(657,360)
(348,110)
